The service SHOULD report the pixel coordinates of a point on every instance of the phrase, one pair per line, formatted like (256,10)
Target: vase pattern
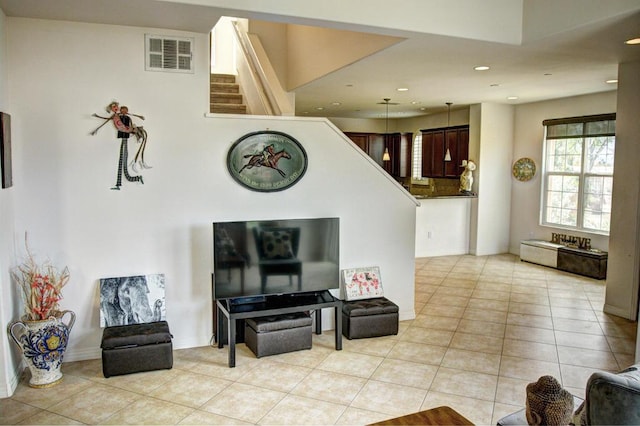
(43,345)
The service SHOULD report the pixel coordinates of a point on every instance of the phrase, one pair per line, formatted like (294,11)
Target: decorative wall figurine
(466,178)
(121,118)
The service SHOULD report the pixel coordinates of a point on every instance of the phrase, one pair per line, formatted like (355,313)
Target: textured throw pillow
(362,283)
(277,244)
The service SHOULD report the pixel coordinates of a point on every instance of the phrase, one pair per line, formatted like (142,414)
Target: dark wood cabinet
(436,143)
(399,146)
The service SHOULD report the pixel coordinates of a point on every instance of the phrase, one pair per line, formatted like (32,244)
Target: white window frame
(582,174)
(174,54)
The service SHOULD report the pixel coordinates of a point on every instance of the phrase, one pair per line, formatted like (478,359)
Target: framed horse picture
(267,161)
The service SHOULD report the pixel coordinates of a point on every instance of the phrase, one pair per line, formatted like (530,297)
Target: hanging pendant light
(386,156)
(447,156)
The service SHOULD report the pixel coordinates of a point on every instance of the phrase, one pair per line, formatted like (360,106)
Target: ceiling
(434,68)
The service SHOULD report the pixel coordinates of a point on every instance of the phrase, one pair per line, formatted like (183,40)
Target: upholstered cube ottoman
(278,333)
(369,318)
(137,347)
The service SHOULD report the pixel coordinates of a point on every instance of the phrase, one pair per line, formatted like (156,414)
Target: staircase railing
(262,78)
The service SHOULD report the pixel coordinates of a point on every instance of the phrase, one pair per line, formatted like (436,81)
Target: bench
(135,348)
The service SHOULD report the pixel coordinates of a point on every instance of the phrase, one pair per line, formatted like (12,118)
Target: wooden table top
(436,416)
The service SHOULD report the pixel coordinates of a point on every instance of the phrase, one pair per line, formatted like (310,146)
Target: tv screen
(265,257)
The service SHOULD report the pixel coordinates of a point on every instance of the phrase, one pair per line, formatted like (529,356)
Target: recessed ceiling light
(633,41)
(320,108)
(415,102)
(336,103)
(612,81)
(512,98)
(402,89)
(481,68)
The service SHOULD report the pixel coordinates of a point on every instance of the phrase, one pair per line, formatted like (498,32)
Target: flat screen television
(266,257)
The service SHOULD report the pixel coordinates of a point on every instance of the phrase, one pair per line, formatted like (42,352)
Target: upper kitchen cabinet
(399,146)
(436,143)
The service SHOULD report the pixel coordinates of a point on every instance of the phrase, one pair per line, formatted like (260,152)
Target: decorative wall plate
(267,161)
(524,169)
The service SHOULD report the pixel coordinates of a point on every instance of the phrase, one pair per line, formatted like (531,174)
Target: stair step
(225,88)
(223,78)
(228,108)
(226,98)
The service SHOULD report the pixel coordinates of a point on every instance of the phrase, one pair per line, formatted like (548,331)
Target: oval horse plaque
(267,161)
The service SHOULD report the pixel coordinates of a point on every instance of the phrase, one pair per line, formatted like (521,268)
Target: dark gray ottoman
(278,334)
(134,348)
(369,318)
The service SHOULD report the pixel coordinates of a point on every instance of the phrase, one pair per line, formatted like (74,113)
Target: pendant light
(447,156)
(386,156)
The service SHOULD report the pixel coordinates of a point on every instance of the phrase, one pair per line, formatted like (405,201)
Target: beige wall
(315,51)
(624,245)
(527,142)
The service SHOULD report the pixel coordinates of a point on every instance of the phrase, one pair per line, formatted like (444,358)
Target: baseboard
(13,378)
(83,354)
(613,310)
(407,315)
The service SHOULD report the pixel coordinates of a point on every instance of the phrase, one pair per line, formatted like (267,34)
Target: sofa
(610,399)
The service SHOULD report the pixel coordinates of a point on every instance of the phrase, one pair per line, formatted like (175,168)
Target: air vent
(170,54)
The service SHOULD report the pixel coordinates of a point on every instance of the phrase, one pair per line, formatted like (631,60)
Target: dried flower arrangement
(41,286)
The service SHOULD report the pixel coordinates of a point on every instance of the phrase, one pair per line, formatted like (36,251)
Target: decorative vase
(43,344)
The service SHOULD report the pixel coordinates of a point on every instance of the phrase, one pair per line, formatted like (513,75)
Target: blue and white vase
(43,344)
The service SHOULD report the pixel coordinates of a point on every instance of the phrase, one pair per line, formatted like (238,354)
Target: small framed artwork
(267,161)
(5,150)
(362,283)
(524,169)
(132,300)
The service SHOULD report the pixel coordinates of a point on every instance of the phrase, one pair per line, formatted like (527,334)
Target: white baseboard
(613,310)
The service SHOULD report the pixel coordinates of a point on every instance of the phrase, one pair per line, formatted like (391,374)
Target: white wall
(442,226)
(9,357)
(623,266)
(527,142)
(492,179)
(164,226)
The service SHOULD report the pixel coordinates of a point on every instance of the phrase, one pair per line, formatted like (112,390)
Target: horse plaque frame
(267,161)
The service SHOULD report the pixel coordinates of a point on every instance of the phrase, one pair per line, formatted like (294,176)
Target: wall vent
(170,54)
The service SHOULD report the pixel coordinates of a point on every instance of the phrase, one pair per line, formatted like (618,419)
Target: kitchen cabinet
(436,142)
(399,146)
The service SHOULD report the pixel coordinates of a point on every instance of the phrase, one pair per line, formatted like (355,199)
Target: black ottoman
(134,348)
(369,318)
(278,334)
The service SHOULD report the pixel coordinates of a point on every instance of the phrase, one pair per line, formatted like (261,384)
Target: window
(417,156)
(578,172)
(173,54)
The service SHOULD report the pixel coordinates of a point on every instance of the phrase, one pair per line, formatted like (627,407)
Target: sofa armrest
(614,398)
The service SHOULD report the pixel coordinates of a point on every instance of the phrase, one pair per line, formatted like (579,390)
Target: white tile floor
(485,327)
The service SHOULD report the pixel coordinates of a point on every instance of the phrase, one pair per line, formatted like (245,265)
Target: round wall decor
(267,161)
(524,169)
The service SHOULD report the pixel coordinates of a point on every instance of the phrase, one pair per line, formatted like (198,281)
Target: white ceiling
(435,68)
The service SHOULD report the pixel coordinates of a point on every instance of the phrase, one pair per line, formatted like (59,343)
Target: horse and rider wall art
(122,121)
(267,161)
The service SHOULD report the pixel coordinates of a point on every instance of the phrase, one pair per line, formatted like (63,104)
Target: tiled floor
(485,327)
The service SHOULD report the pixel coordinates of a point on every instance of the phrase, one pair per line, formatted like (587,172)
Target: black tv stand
(287,303)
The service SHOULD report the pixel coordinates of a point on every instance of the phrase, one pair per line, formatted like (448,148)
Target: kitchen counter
(443,225)
(429,197)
